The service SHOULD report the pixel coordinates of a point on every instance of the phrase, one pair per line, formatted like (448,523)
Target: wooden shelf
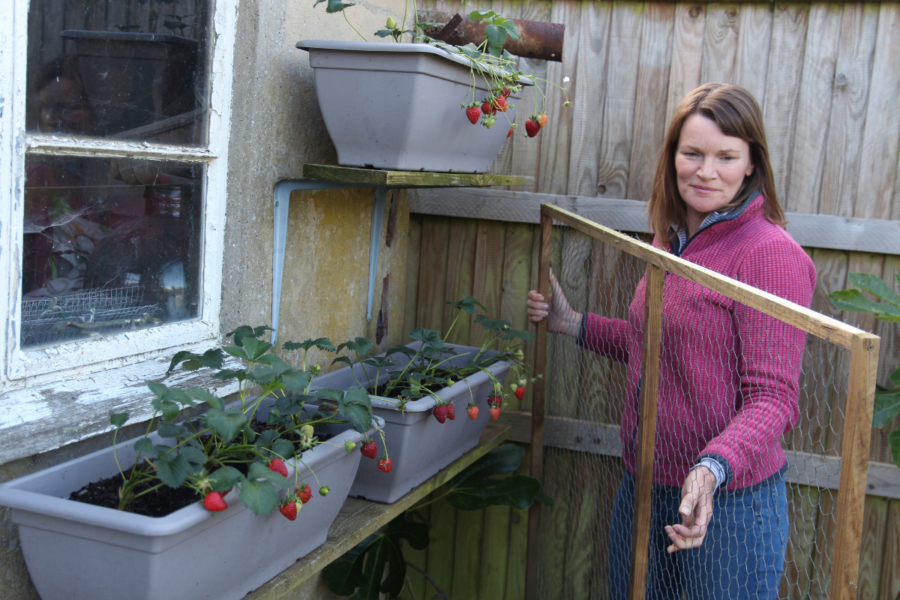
(359,519)
(408,179)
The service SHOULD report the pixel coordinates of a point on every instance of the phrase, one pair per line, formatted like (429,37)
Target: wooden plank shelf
(360,518)
(410,179)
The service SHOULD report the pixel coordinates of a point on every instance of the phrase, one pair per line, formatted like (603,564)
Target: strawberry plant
(228,446)
(377,565)
(428,367)
(887,400)
(489,61)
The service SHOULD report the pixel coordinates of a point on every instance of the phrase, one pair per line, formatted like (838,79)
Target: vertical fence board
(650,102)
(518,543)
(848,111)
(881,138)
(798,561)
(556,138)
(786,58)
(754,40)
(817,80)
(617,118)
(687,53)
(517,266)
(890,570)
(873,538)
(589,97)
(432,273)
(460,276)
(720,42)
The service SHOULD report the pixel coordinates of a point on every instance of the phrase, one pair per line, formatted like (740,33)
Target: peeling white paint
(24,406)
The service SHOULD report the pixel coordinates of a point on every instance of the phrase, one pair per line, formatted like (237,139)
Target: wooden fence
(825,75)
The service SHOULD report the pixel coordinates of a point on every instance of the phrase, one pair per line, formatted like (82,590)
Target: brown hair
(737,114)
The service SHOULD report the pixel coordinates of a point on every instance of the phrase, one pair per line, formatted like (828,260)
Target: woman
(728,375)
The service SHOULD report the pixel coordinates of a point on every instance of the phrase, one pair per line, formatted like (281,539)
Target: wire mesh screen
(761,399)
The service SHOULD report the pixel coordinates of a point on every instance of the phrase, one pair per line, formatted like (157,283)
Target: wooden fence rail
(863,349)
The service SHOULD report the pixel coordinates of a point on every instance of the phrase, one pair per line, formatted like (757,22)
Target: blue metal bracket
(283,190)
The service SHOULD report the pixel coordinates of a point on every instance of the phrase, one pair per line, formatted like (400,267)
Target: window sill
(46,417)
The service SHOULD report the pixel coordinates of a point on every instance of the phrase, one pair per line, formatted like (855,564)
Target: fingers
(536,307)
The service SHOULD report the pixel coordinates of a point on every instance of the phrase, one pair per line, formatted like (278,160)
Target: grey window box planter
(397,106)
(76,551)
(418,445)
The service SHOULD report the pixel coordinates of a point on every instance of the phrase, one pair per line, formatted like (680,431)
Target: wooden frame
(863,348)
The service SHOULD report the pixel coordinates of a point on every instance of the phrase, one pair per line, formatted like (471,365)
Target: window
(114,207)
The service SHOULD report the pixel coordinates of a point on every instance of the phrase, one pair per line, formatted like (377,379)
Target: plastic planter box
(76,551)
(397,106)
(418,445)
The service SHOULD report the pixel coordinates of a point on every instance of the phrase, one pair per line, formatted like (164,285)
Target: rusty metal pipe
(536,39)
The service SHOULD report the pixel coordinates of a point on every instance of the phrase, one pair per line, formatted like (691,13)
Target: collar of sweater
(680,240)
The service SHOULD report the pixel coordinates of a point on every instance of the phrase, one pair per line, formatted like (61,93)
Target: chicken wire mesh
(732,380)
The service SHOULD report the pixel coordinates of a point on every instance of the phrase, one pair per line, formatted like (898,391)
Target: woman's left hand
(696,510)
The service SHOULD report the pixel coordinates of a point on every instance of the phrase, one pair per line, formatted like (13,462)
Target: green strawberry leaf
(159,390)
(296,381)
(226,423)
(254,347)
(211,359)
(118,419)
(356,406)
(170,430)
(236,352)
(518,491)
(195,456)
(172,468)
(320,343)
(895,377)
(261,471)
(245,331)
(428,337)
(887,406)
(226,374)
(167,408)
(225,478)
(145,446)
(260,497)
(202,395)
(876,286)
(510,27)
(468,304)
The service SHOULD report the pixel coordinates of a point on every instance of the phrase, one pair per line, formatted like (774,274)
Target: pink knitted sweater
(728,374)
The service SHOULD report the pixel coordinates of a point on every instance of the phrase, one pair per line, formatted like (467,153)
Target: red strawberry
(278,466)
(305,494)
(520,392)
(214,502)
(495,412)
(385,465)
(369,449)
(532,128)
(473,412)
(440,413)
(290,509)
(500,104)
(542,119)
(505,92)
(510,131)
(451,412)
(496,401)
(487,109)
(474,113)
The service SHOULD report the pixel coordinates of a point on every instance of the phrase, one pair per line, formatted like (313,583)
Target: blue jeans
(742,556)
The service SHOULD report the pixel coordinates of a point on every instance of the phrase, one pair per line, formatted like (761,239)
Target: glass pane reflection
(110,244)
(125,69)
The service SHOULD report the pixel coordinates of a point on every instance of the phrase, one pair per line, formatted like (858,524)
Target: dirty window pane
(122,69)
(110,244)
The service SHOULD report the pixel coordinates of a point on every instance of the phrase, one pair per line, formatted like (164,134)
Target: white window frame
(77,359)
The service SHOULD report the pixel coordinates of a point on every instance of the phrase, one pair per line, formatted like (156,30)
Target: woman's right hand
(563,318)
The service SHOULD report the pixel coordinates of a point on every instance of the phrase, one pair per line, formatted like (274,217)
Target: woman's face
(62,108)
(711,167)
